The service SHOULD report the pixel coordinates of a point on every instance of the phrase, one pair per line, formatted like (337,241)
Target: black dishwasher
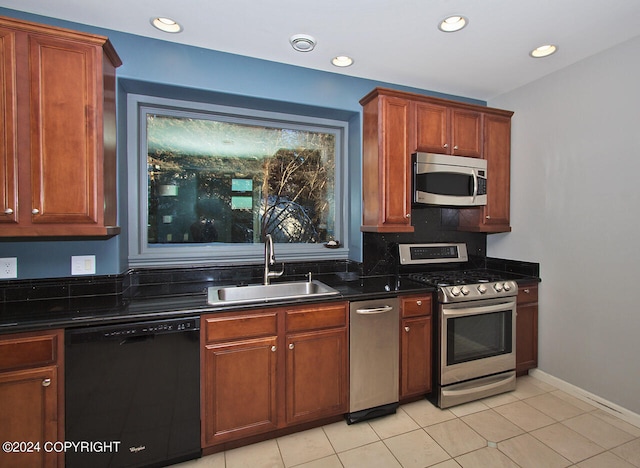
(132,394)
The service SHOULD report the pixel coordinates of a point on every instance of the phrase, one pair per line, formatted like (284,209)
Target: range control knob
(464,290)
(507,287)
(455,291)
(482,289)
(497,287)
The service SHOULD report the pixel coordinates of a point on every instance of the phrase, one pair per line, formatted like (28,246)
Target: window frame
(143,254)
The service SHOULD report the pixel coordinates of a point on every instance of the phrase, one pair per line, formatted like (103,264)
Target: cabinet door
(65,130)
(494,216)
(396,163)
(432,128)
(386,166)
(447,130)
(466,131)
(29,413)
(527,329)
(415,355)
(316,375)
(497,152)
(8,125)
(239,397)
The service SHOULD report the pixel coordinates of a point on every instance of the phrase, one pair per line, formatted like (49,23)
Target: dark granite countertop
(159,294)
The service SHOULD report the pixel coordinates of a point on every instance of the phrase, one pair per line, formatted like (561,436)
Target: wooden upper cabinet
(8,125)
(432,128)
(386,165)
(447,130)
(397,124)
(59,115)
(495,215)
(466,129)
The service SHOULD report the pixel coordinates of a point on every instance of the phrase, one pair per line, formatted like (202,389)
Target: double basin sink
(261,293)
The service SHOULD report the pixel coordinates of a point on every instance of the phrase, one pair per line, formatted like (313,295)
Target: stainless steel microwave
(439,179)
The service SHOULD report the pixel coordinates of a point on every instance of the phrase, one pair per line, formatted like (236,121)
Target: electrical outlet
(8,267)
(83,265)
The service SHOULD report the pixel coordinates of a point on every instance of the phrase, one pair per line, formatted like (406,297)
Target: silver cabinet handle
(446,145)
(488,217)
(526,291)
(408,215)
(455,147)
(407,329)
(291,346)
(374,310)
(46,382)
(273,349)
(8,211)
(35,211)
(419,302)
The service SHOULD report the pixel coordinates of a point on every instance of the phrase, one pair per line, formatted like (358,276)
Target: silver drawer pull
(419,302)
(8,211)
(35,211)
(46,382)
(273,349)
(291,346)
(374,310)
(407,329)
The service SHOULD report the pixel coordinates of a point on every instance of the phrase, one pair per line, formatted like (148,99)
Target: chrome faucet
(270,259)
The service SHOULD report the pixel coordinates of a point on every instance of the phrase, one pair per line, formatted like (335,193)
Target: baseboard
(595,400)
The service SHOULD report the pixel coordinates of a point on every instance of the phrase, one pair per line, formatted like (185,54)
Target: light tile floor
(534,426)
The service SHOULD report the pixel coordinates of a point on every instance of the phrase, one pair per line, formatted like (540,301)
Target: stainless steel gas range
(475,324)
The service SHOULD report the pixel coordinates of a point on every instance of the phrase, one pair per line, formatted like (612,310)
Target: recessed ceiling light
(302,42)
(543,51)
(453,23)
(342,61)
(166,24)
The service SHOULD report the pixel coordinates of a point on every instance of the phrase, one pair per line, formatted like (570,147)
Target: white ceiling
(394,41)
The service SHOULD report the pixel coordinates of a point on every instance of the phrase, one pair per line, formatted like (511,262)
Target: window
(212,180)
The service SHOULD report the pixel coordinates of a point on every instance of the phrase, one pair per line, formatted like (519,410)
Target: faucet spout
(270,259)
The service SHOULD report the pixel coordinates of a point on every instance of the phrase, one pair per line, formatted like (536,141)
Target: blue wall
(159,67)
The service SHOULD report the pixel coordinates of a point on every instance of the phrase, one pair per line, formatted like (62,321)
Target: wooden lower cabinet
(527,328)
(31,397)
(267,370)
(316,381)
(240,389)
(415,346)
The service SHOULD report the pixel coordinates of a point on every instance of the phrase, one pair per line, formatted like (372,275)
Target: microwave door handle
(475,185)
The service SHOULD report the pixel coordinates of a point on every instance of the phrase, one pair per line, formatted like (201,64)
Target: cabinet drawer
(413,306)
(313,318)
(527,293)
(238,327)
(28,350)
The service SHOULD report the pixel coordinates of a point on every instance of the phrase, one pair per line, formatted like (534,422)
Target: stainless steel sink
(259,293)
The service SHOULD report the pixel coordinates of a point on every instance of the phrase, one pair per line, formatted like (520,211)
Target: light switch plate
(83,265)
(8,267)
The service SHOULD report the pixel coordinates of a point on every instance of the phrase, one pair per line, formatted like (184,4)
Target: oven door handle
(460,312)
(473,390)
(375,310)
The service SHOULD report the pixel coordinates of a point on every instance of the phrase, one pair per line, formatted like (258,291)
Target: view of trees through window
(232,182)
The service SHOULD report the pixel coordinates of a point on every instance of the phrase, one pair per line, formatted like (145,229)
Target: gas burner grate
(455,278)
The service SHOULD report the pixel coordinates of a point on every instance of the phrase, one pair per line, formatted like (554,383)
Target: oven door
(477,339)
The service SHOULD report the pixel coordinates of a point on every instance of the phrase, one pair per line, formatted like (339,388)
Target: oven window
(478,336)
